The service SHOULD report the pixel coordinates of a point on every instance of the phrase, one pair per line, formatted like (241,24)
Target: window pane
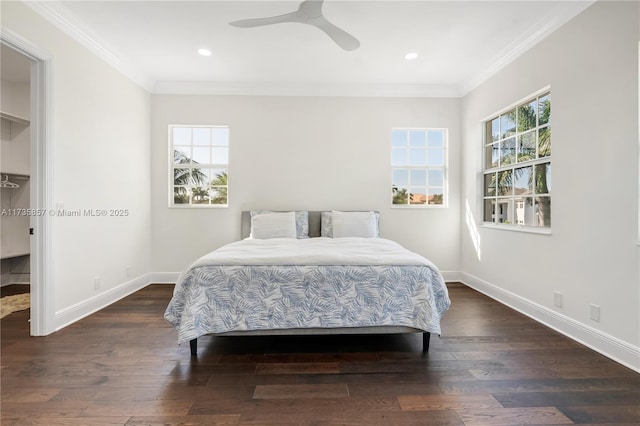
(400,177)
(544,142)
(399,137)
(417,157)
(218,195)
(181,136)
(435,138)
(489,210)
(490,184)
(201,136)
(418,195)
(436,196)
(543,178)
(436,178)
(504,211)
(399,157)
(508,151)
(508,124)
(527,116)
(527,146)
(200,195)
(399,195)
(505,182)
(219,177)
(201,155)
(524,211)
(493,130)
(492,155)
(220,136)
(200,177)
(436,157)
(544,108)
(523,180)
(182,155)
(181,176)
(220,155)
(417,138)
(180,195)
(419,177)
(542,212)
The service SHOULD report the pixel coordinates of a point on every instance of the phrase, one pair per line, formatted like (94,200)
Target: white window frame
(485,169)
(444,168)
(211,165)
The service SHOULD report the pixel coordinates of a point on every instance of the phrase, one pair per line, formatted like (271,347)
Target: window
(199,167)
(419,167)
(517,165)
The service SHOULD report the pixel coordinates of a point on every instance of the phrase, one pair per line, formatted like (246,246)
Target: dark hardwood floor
(492,366)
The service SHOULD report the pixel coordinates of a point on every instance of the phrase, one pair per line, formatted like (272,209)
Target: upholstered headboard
(314,224)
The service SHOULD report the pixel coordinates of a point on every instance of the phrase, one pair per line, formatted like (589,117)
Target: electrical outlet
(96,283)
(557,299)
(595,312)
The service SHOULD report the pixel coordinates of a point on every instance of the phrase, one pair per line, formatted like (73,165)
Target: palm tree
(184,177)
(221,185)
(400,196)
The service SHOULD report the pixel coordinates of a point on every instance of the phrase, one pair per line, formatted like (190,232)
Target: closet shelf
(15,118)
(12,255)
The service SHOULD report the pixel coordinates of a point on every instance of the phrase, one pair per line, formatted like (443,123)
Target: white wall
(101,161)
(592,256)
(302,153)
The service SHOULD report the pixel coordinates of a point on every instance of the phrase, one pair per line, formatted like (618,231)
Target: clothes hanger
(4,183)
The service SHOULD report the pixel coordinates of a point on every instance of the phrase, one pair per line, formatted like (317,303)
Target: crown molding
(556,17)
(311,89)
(62,18)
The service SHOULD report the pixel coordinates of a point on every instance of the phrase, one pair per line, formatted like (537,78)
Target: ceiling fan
(309,12)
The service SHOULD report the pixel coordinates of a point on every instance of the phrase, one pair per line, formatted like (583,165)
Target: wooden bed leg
(426,338)
(193,344)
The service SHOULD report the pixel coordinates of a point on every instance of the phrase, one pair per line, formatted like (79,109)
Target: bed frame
(314,231)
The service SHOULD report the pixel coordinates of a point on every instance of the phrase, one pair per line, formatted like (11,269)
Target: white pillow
(273,225)
(354,224)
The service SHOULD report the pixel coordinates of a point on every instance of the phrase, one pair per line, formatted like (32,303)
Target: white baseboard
(609,346)
(451,276)
(164,277)
(76,312)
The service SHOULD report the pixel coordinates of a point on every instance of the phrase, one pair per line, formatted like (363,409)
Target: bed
(327,275)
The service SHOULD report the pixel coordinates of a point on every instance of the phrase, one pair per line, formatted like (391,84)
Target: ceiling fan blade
(338,35)
(296,16)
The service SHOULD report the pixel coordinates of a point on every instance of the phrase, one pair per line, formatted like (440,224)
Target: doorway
(28,166)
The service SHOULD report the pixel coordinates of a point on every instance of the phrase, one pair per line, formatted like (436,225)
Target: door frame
(41,183)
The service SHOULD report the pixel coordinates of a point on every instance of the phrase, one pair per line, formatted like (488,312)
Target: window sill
(200,206)
(419,206)
(516,228)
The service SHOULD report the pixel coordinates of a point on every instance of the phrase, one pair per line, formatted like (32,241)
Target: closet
(14,167)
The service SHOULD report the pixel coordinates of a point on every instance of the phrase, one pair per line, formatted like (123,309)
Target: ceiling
(459,44)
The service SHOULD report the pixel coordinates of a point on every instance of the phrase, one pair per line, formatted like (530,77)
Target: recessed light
(204,52)
(411,56)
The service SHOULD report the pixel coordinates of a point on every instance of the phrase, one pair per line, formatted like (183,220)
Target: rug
(11,304)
